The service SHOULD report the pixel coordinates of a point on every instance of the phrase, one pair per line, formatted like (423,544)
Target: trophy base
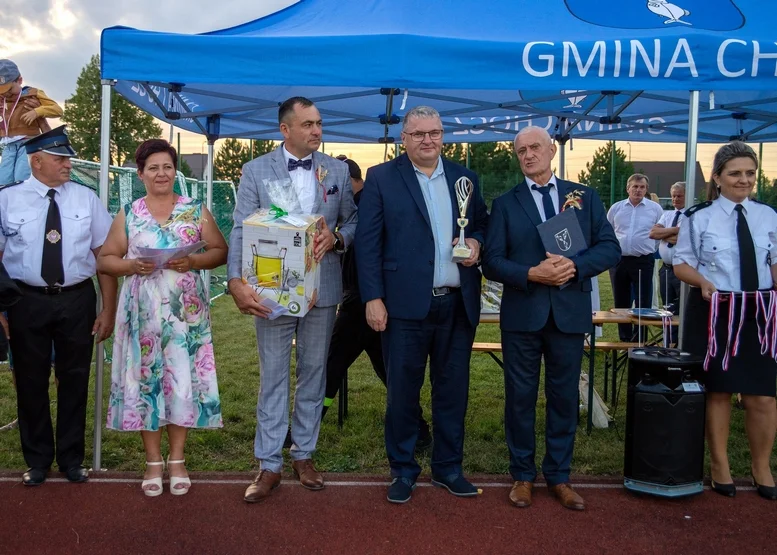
(460,254)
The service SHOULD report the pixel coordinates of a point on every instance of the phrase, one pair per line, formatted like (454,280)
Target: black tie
(51,269)
(748,270)
(547,203)
(674,224)
(304,164)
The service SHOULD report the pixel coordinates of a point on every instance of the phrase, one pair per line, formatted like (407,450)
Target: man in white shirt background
(666,231)
(632,278)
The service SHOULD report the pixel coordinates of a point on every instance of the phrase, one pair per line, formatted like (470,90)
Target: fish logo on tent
(569,100)
(574,100)
(712,15)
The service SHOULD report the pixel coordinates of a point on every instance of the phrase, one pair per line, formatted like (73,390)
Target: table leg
(591,359)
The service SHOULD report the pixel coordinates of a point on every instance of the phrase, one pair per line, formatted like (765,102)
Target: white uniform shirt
(538,196)
(715,250)
(304,182)
(23,211)
(632,225)
(666,220)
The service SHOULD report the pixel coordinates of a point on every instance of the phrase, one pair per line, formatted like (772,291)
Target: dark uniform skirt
(749,372)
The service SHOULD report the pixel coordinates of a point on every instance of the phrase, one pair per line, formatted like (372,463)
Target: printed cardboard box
(278,258)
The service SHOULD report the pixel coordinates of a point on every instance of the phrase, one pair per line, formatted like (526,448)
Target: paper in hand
(160,257)
(276,308)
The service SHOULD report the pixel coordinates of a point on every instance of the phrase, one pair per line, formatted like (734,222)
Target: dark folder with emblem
(562,234)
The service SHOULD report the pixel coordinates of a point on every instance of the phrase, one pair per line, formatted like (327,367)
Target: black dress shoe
(77,474)
(34,476)
(767,492)
(729,490)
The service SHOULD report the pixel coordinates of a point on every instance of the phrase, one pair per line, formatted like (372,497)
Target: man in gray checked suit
(296,160)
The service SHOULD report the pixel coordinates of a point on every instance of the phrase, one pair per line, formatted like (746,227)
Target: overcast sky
(52,40)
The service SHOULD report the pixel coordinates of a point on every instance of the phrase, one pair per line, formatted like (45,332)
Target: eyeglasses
(418,136)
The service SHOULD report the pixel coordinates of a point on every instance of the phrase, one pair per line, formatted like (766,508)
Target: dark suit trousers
(625,276)
(36,322)
(563,353)
(444,337)
(351,336)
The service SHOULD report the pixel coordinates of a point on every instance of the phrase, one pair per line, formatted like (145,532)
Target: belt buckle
(52,289)
(440,291)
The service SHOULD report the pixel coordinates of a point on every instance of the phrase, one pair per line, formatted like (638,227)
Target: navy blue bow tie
(304,164)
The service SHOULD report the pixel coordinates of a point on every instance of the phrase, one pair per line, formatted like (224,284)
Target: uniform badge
(53,237)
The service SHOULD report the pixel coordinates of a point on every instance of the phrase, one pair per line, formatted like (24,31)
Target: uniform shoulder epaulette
(696,207)
(764,204)
(7,185)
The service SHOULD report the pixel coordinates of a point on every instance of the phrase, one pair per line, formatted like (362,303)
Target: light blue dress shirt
(438,205)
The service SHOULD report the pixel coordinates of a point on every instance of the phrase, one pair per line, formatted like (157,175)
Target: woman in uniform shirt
(727,252)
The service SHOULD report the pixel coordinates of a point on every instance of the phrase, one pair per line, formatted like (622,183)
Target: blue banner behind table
(711,15)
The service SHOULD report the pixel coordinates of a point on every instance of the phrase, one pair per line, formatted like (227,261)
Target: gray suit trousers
(273,338)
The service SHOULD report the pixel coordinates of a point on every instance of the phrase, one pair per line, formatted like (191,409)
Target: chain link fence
(125,186)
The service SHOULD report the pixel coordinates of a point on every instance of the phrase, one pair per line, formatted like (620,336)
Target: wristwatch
(339,247)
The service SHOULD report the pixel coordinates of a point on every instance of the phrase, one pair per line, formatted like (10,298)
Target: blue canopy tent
(610,69)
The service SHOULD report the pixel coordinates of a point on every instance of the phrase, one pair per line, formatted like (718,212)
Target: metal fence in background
(125,186)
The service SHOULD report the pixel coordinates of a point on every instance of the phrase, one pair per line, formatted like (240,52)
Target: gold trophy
(461,251)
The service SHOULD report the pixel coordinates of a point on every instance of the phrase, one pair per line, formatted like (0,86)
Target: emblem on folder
(563,240)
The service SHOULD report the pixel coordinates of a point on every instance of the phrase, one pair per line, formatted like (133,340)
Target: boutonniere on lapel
(574,200)
(321,173)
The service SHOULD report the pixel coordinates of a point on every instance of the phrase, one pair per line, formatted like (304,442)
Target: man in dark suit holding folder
(540,318)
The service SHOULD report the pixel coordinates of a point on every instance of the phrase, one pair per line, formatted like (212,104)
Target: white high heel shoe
(153,481)
(176,480)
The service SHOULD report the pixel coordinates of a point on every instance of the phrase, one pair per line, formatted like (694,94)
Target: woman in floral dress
(163,373)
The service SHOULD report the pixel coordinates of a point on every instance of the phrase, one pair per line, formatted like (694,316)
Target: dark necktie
(674,224)
(748,270)
(51,269)
(547,203)
(304,164)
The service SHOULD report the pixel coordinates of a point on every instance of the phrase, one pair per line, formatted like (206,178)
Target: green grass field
(358,447)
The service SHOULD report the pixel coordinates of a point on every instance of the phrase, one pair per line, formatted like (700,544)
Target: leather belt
(52,289)
(667,265)
(440,291)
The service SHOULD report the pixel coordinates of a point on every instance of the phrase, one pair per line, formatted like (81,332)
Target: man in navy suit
(427,306)
(538,318)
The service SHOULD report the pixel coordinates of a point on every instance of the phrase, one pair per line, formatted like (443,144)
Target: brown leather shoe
(568,497)
(262,486)
(520,495)
(309,477)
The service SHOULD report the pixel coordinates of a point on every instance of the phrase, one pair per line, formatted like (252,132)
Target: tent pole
(105,161)
(209,199)
(612,175)
(562,161)
(690,183)
(760,172)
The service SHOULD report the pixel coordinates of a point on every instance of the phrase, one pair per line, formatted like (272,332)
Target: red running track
(110,515)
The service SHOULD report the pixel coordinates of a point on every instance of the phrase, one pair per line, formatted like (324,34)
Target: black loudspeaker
(665,411)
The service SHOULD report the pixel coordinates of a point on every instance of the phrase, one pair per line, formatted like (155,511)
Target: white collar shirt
(708,242)
(304,182)
(632,225)
(23,211)
(537,196)
(665,248)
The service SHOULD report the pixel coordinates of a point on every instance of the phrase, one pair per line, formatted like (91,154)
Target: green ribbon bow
(277,212)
